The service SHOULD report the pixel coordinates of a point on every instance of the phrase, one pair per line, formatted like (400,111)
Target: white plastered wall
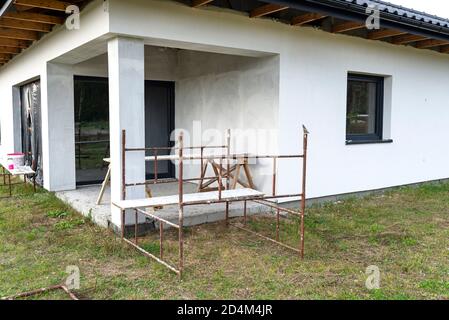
(216,92)
(313,67)
(312,91)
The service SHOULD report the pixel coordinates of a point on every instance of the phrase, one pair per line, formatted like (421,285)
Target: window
(364,118)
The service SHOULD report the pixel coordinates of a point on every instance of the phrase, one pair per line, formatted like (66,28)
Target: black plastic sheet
(30,95)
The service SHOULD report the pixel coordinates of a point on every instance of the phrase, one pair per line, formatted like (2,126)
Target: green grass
(404,232)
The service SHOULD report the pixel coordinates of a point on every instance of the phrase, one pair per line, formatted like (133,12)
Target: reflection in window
(364,108)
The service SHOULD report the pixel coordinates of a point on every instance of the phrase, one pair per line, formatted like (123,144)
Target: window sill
(356,142)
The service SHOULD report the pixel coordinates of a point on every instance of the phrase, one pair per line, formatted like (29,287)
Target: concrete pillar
(126,112)
(58,127)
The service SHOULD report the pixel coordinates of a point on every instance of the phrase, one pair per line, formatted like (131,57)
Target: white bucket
(15,160)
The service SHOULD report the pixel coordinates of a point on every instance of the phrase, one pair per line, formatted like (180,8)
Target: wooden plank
(34,17)
(25,25)
(307,18)
(13,43)
(407,38)
(10,50)
(44,4)
(431,43)
(444,49)
(266,10)
(248,175)
(347,26)
(18,34)
(199,3)
(382,34)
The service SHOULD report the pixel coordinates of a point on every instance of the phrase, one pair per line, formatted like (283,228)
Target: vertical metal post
(304,180)
(228,156)
(155,166)
(220,177)
(136,226)
(181,205)
(123,179)
(274,175)
(278,213)
(228,169)
(10,186)
(245,216)
(123,224)
(161,240)
(202,163)
(123,164)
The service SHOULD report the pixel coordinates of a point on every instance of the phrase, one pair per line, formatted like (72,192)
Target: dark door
(91,129)
(92,126)
(30,103)
(159,124)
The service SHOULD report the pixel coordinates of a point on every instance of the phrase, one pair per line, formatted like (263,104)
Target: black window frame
(380,88)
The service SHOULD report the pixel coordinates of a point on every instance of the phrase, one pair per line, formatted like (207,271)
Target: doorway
(92,126)
(30,108)
(159,124)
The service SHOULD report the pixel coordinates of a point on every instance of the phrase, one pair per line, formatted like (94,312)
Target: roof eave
(354,12)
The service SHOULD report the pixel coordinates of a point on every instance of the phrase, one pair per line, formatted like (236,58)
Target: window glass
(364,108)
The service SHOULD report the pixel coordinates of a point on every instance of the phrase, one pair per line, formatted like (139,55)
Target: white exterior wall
(217,92)
(57,107)
(313,79)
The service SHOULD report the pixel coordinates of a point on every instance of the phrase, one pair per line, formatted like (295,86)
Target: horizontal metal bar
(152,256)
(173,148)
(277,157)
(41,291)
(241,199)
(165,180)
(158,218)
(275,206)
(283,196)
(205,147)
(91,142)
(148,149)
(267,238)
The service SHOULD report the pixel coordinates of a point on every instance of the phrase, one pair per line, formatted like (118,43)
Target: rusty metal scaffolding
(28,294)
(265,200)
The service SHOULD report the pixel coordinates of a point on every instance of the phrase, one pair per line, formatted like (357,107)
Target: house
(374,97)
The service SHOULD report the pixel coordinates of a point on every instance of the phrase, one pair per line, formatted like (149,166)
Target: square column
(58,127)
(126,112)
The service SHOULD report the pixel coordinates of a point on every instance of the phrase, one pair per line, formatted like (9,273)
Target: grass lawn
(404,232)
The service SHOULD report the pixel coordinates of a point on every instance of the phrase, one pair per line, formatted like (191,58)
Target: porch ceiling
(24,21)
(399,25)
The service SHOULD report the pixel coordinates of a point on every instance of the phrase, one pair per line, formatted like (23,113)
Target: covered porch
(212,89)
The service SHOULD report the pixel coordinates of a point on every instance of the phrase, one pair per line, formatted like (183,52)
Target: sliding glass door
(92,126)
(91,129)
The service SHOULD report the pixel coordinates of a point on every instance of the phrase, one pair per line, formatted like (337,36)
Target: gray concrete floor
(84,201)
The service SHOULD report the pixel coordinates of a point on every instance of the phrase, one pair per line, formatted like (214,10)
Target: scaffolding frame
(265,200)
